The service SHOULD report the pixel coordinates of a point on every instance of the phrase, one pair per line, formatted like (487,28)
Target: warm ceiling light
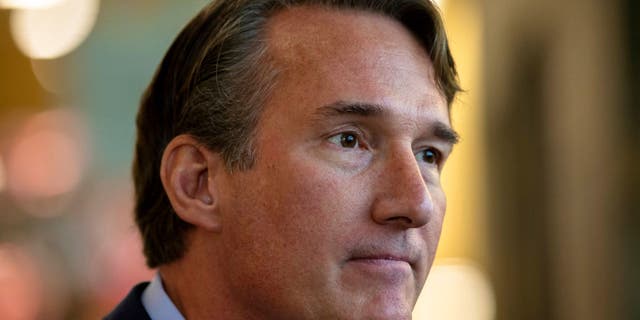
(51,32)
(28,4)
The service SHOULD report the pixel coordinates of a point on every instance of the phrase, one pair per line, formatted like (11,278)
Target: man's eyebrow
(350,108)
(446,133)
(440,130)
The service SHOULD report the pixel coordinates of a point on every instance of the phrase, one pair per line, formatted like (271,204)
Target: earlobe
(187,171)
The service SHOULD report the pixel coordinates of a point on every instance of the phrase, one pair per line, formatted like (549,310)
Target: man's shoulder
(131,307)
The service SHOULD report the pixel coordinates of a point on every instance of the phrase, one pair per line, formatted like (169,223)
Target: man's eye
(430,156)
(346,140)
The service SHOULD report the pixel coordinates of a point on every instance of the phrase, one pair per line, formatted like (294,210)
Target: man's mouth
(381,258)
(390,269)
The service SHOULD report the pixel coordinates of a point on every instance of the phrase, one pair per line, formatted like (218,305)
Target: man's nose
(403,198)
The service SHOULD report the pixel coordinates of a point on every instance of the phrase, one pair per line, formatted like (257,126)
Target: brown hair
(212,84)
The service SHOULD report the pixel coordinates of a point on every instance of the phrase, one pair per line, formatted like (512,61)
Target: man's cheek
(311,205)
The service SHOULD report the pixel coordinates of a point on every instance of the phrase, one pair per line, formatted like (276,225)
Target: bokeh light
(47,158)
(28,4)
(20,284)
(51,32)
(44,164)
(456,290)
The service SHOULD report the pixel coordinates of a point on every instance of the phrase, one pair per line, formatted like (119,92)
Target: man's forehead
(307,34)
(326,54)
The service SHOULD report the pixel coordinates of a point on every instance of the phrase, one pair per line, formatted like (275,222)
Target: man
(288,162)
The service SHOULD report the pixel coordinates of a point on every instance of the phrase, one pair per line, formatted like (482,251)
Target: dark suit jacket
(131,307)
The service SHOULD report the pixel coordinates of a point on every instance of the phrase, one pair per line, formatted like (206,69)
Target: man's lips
(388,268)
(384,258)
(381,258)
(389,252)
(392,263)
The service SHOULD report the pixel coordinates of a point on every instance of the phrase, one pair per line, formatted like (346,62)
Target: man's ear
(188,171)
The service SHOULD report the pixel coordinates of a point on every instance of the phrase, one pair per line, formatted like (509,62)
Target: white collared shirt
(157,303)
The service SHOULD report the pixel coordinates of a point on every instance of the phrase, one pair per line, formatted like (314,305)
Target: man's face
(341,215)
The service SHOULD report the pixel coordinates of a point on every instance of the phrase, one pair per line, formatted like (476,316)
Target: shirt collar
(157,303)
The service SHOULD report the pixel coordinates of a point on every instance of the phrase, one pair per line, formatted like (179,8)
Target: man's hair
(212,84)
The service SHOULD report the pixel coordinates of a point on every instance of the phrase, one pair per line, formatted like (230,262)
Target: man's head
(290,153)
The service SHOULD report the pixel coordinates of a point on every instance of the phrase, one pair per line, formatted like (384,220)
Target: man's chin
(378,303)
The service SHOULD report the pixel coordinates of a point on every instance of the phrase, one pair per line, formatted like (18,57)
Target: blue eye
(346,140)
(430,156)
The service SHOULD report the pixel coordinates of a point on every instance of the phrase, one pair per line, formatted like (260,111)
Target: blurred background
(544,190)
